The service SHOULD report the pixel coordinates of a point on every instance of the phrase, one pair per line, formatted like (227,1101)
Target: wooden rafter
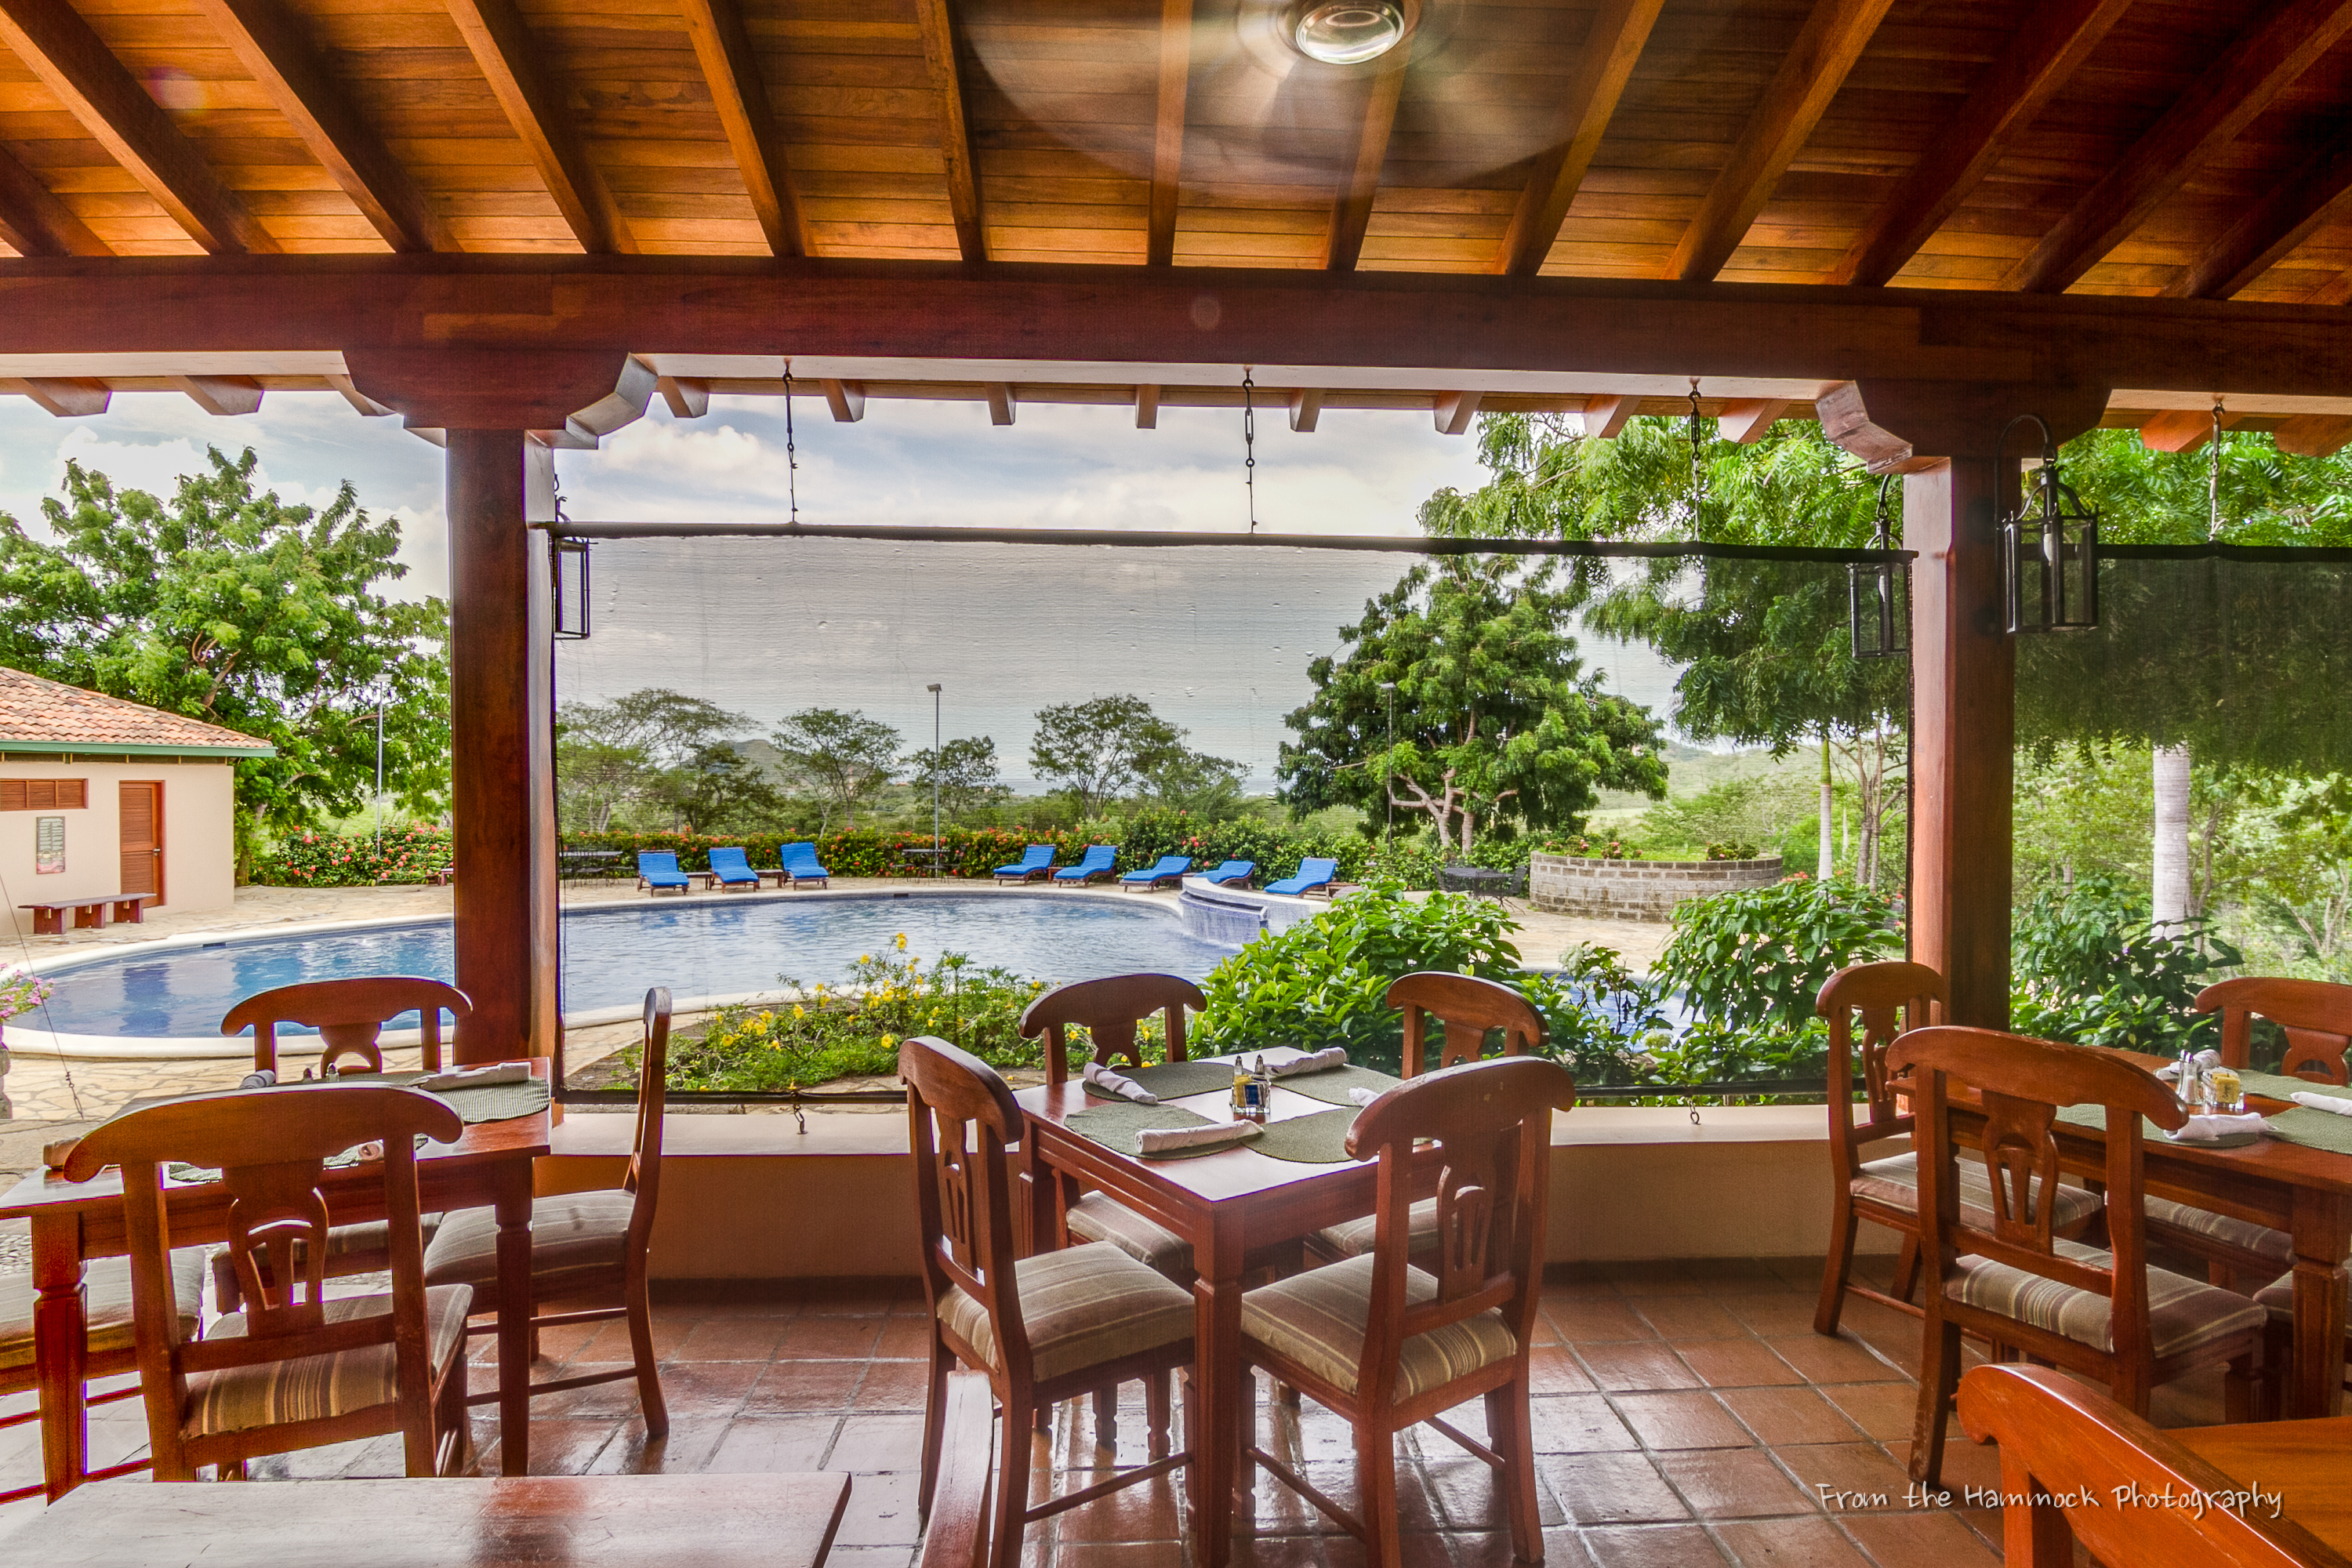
(74,63)
(277,51)
(689,396)
(2270,230)
(1306,408)
(35,222)
(2314,436)
(1455,410)
(1351,213)
(2179,429)
(846,399)
(2051,46)
(722,44)
(1831,39)
(1146,407)
(1168,129)
(510,60)
(1606,416)
(1745,420)
(2261,63)
(66,397)
(1620,29)
(964,196)
(224,395)
(999,397)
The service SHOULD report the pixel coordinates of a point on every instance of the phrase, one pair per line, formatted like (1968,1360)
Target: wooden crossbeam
(1168,129)
(1351,213)
(1455,410)
(35,222)
(846,399)
(964,195)
(722,46)
(2268,232)
(223,396)
(2260,64)
(1147,408)
(999,401)
(1306,408)
(1620,29)
(689,396)
(1745,419)
(277,51)
(73,62)
(66,397)
(362,404)
(2180,430)
(2057,35)
(1815,66)
(510,60)
(1606,416)
(2314,436)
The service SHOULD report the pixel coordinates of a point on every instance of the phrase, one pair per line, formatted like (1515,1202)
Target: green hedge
(411,852)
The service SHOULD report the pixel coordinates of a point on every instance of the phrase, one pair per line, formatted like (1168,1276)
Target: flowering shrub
(21,991)
(411,852)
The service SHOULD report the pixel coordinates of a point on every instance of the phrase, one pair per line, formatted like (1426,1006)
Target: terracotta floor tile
(1966,1464)
(1920,1539)
(713,1388)
(1643,1365)
(688,1448)
(1883,1410)
(1602,1318)
(869,1557)
(1553,1369)
(1778,1416)
(1654,1277)
(806,1385)
(827,1337)
(1610,1489)
(1737,1364)
(1689,1317)
(1789,1543)
(1732,1483)
(1654,1546)
(1784,1313)
(877,1443)
(731,1338)
(1149,1510)
(1563,1548)
(882,1511)
(1469,1495)
(1576,1424)
(1688,1418)
(889,1384)
(1259,1551)
(905,1338)
(1846,1478)
(1841,1360)
(752,1444)
(1119,1554)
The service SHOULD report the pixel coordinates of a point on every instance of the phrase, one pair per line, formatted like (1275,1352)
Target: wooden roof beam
(221,395)
(2261,63)
(1620,29)
(2270,230)
(1168,129)
(35,222)
(1831,39)
(74,63)
(2056,37)
(510,60)
(964,196)
(1455,410)
(362,404)
(689,396)
(2180,430)
(1745,419)
(999,401)
(1147,408)
(1351,214)
(846,399)
(277,51)
(1306,408)
(2313,435)
(1605,418)
(66,397)
(722,44)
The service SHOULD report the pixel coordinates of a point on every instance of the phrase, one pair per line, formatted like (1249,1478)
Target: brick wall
(1637,889)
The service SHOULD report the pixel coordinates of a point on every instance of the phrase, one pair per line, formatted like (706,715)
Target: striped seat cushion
(1354,1239)
(2270,1245)
(1100,1217)
(1895,1182)
(106,1304)
(1080,1306)
(370,1237)
(2183,1313)
(578,1241)
(2277,1297)
(1317,1318)
(310,1387)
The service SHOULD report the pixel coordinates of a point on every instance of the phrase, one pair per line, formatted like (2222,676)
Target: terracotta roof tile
(47,713)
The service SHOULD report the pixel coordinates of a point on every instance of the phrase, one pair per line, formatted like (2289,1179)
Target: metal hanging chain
(1698,480)
(792,457)
(2213,479)
(1249,443)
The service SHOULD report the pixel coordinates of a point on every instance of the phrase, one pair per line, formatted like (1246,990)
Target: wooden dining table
(780,1520)
(2307,1464)
(1231,1206)
(490,1166)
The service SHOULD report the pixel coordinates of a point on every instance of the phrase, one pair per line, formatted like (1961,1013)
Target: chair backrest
(1235,869)
(729,858)
(1469,1009)
(2315,1014)
(658,860)
(2023,1083)
(1099,855)
(1890,997)
(1492,1124)
(1037,855)
(349,1016)
(1173,863)
(960,1120)
(2068,1453)
(1312,870)
(1109,1010)
(271,1206)
(804,852)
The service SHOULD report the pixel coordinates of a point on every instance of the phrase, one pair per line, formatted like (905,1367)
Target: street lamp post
(379,781)
(1388,768)
(934,689)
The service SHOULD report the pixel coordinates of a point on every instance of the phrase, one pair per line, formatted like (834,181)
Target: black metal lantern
(1878,594)
(2049,550)
(571,588)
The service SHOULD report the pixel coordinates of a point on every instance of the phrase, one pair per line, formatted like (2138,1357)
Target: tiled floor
(1684,1413)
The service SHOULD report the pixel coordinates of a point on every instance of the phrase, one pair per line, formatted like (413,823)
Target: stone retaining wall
(1637,889)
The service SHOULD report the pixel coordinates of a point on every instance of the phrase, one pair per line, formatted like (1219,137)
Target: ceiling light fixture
(1349,32)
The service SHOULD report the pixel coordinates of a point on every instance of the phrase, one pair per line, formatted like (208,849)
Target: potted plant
(21,991)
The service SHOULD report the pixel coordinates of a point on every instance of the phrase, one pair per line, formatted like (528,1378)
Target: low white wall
(199,834)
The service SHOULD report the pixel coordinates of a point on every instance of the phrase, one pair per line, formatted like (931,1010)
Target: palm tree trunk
(2171,847)
(1828,838)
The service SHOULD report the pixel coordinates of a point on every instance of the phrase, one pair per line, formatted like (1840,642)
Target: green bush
(2087,967)
(410,852)
(1752,961)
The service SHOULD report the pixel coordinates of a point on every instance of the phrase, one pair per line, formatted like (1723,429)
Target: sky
(1218,640)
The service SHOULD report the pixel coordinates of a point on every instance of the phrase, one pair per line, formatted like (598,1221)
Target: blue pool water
(612,955)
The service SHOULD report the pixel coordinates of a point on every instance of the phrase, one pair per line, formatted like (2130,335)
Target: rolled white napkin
(1160,1139)
(1126,1087)
(2211,1129)
(2204,1059)
(1331,1056)
(2332,1102)
(474,1078)
(1363,1096)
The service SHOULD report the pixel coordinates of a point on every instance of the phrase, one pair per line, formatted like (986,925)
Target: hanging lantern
(571,588)
(1878,594)
(2049,550)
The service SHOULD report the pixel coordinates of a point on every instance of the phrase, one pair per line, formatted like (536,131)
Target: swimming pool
(611,954)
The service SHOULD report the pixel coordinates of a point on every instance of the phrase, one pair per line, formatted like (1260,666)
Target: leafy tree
(1194,782)
(965,769)
(1101,749)
(226,605)
(843,756)
(2290,849)
(2091,968)
(1496,723)
(715,789)
(654,747)
(1756,958)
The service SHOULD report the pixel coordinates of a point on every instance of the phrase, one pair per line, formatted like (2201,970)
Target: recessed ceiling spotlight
(1349,32)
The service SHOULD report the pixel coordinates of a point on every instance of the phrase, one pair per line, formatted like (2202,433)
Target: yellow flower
(865,958)
(798,1011)
(889,1040)
(902,941)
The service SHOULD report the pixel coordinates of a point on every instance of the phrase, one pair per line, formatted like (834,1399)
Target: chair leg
(453,1433)
(1835,1272)
(1939,1375)
(1011,1489)
(1246,1428)
(1107,1417)
(1907,1269)
(650,1402)
(1155,1413)
(2278,1360)
(935,1407)
(1510,1430)
(1376,1486)
(2242,1391)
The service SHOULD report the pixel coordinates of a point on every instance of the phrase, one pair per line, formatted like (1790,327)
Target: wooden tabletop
(520,1521)
(2308,1464)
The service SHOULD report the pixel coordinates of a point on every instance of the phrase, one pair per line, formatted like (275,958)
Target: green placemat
(1172,1081)
(2312,1129)
(1318,1140)
(1330,1085)
(490,1102)
(1115,1124)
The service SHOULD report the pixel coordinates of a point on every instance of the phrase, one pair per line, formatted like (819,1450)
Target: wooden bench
(89,913)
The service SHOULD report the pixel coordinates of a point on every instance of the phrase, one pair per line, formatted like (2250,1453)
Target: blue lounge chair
(658,872)
(1098,862)
(1171,868)
(799,862)
(1231,874)
(1312,874)
(1034,862)
(732,870)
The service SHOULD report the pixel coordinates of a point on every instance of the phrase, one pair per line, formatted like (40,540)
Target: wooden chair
(2068,1452)
(1467,1010)
(350,1015)
(1386,1345)
(2106,1315)
(1889,998)
(588,1246)
(955,1524)
(1045,1328)
(255,1385)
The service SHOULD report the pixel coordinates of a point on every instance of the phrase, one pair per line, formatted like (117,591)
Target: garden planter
(1637,889)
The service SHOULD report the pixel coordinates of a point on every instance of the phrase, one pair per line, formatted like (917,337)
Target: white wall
(199,836)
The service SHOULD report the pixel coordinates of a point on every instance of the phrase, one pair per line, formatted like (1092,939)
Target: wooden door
(142,840)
